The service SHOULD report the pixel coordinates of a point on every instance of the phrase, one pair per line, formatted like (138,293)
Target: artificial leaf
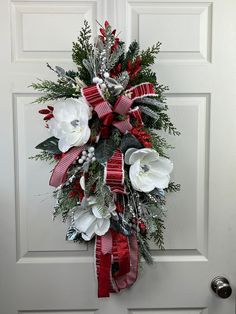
(104,150)
(60,71)
(149,112)
(115,88)
(149,101)
(121,226)
(85,166)
(123,79)
(129,141)
(72,234)
(158,192)
(50,145)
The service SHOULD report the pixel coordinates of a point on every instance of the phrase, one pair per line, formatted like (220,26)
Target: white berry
(94,158)
(103,86)
(84,153)
(83,157)
(100,81)
(96,79)
(106,74)
(90,155)
(87,159)
(91,149)
(81,161)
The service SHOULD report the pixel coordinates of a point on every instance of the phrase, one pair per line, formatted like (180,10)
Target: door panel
(42,273)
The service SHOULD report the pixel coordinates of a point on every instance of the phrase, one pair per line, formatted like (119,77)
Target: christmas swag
(112,172)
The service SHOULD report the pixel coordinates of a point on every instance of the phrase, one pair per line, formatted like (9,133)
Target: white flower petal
(78,212)
(84,221)
(82,137)
(151,156)
(162,181)
(148,170)
(128,153)
(63,145)
(96,211)
(141,154)
(102,226)
(90,232)
(70,122)
(163,166)
(135,178)
(82,182)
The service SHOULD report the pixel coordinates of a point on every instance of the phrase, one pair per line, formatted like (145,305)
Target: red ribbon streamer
(59,173)
(129,279)
(121,254)
(115,249)
(103,254)
(126,258)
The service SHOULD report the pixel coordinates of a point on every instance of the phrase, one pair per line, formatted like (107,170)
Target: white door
(42,273)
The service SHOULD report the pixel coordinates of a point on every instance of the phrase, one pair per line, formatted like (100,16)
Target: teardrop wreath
(112,171)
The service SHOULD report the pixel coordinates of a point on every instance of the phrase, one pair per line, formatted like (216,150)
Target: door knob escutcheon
(221,286)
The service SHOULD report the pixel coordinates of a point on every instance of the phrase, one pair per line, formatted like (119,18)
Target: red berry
(44,111)
(48,117)
(106,24)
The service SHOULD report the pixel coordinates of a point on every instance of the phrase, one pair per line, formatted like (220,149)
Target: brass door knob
(221,286)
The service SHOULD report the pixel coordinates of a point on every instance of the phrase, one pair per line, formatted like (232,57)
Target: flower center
(75,123)
(145,168)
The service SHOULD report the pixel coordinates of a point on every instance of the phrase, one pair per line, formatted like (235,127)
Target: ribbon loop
(136,114)
(124,125)
(95,98)
(123,105)
(141,90)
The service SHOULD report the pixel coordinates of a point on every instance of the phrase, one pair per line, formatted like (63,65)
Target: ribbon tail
(133,274)
(59,173)
(129,278)
(103,264)
(121,254)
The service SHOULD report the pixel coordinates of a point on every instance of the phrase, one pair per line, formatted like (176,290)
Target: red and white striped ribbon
(59,173)
(95,98)
(123,105)
(124,125)
(114,173)
(141,90)
(136,113)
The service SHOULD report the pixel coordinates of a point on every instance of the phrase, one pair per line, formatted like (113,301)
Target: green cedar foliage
(81,51)
(54,90)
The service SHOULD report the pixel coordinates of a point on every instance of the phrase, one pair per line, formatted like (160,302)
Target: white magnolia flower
(70,123)
(148,170)
(89,221)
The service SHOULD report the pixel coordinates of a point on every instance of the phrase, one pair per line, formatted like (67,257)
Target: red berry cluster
(103,32)
(48,112)
(142,136)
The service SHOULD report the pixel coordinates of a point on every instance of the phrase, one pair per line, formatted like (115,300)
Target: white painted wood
(42,273)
